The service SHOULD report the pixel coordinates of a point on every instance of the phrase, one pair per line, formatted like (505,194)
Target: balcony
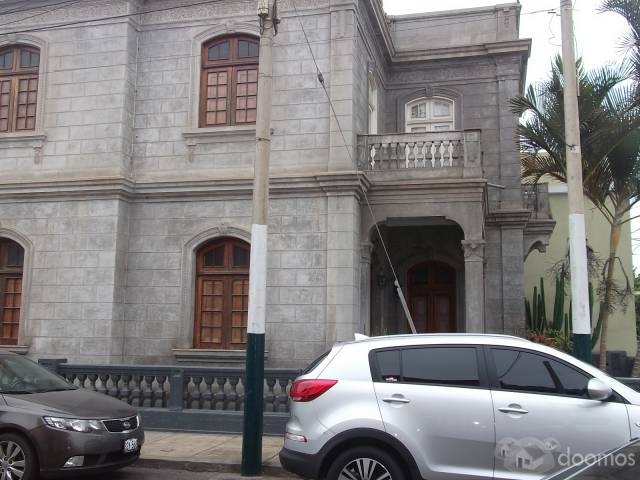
(452,154)
(536,199)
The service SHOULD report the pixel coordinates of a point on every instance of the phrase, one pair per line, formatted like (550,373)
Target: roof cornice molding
(339,183)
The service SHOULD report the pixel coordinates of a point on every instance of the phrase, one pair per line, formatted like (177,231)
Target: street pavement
(135,473)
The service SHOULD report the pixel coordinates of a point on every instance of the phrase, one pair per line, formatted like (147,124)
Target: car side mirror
(598,390)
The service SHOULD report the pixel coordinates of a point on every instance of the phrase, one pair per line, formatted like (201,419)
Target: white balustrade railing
(432,150)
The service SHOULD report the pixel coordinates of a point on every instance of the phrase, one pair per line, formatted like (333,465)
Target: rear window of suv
(454,366)
(315,363)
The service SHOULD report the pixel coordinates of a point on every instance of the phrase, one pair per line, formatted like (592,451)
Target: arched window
(229,81)
(429,115)
(222,295)
(18,88)
(11,265)
(373,105)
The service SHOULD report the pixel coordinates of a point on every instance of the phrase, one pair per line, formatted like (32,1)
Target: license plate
(131,445)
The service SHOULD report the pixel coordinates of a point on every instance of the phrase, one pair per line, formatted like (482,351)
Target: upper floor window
(429,115)
(373,106)
(18,88)
(229,81)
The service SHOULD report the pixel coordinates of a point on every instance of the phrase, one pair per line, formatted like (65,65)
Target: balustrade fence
(187,390)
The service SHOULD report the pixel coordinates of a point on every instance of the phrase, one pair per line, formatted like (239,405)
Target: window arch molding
(205,36)
(430,93)
(24,335)
(34,42)
(188,278)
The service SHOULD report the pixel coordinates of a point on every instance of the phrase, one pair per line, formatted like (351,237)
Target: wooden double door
(432,297)
(222,295)
(11,265)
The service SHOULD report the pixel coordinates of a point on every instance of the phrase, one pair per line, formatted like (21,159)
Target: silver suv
(451,406)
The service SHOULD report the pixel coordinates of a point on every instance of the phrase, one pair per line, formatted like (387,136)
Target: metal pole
(254,370)
(577,238)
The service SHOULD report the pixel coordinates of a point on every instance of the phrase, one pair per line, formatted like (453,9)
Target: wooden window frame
(232,65)
(228,273)
(14,75)
(8,272)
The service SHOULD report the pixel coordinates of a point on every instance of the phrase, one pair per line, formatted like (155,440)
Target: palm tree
(630,42)
(610,143)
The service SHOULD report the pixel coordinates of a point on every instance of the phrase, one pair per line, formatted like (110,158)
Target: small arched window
(19,66)
(229,81)
(222,295)
(434,114)
(373,105)
(11,266)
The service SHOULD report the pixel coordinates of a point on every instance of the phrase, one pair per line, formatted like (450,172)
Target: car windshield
(19,375)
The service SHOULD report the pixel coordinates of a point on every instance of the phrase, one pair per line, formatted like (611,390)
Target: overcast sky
(597,37)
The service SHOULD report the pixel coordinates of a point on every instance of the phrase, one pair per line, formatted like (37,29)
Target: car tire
(19,455)
(358,461)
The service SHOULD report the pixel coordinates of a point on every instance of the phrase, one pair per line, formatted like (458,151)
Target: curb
(191,466)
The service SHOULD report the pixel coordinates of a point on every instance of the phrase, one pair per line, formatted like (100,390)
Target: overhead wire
(348,150)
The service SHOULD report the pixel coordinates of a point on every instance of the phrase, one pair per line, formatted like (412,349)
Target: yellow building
(622,329)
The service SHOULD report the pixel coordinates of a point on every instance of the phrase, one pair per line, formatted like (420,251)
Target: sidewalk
(201,452)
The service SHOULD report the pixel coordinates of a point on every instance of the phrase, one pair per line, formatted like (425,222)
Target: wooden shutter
(239,311)
(26,103)
(11,297)
(210,320)
(5,103)
(246,95)
(216,97)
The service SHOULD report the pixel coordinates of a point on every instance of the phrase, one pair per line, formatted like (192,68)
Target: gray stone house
(127,142)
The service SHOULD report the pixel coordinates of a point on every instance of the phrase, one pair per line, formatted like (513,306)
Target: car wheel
(17,459)
(365,463)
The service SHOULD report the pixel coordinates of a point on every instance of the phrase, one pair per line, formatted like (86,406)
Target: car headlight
(74,425)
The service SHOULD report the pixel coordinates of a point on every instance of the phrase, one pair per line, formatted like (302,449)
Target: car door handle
(396,400)
(520,411)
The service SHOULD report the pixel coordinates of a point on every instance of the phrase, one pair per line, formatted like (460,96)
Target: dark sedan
(53,428)
(619,464)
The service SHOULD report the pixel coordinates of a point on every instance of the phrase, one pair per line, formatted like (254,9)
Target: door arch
(432,297)
(222,295)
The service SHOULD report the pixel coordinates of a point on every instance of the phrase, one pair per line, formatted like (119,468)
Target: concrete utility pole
(254,370)
(577,239)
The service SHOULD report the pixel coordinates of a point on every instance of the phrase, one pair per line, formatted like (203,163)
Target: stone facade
(117,187)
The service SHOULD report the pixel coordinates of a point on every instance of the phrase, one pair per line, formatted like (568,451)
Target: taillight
(307,390)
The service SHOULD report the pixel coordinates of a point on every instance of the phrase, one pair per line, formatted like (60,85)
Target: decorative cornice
(509,218)
(347,183)
(520,46)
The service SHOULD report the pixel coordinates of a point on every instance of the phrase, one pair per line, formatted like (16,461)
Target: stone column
(474,285)
(365,287)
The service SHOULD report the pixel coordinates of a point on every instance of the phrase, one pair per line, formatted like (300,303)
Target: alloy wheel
(12,461)
(364,469)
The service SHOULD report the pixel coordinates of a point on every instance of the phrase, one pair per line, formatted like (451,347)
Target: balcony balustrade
(456,154)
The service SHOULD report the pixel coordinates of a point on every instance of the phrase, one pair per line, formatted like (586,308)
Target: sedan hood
(78,403)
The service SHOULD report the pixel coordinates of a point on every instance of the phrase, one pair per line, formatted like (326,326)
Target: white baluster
(441,150)
(424,155)
(407,153)
(372,153)
(415,155)
(433,154)
(450,151)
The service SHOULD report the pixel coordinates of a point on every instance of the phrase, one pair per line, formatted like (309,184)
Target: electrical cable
(344,140)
